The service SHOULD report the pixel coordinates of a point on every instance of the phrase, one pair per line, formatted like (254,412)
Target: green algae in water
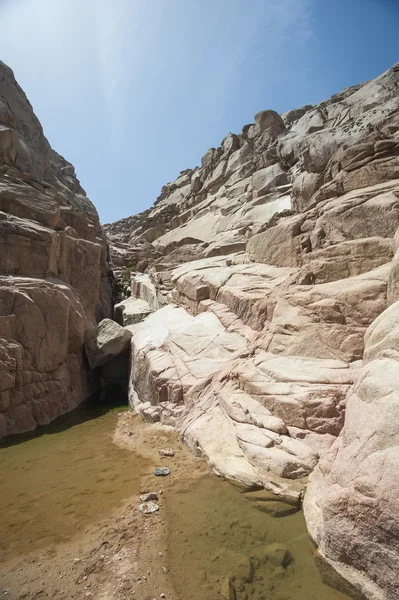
(57,481)
(213,528)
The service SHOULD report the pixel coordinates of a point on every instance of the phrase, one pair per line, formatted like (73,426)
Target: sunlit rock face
(265,267)
(54,275)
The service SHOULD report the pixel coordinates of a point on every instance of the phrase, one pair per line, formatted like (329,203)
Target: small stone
(148,507)
(76,560)
(160,554)
(278,555)
(167,452)
(162,471)
(148,497)
(162,596)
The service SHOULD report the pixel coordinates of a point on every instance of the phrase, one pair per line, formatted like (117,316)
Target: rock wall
(54,275)
(271,349)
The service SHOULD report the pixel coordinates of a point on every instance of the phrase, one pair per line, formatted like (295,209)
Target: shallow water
(57,481)
(69,474)
(212,524)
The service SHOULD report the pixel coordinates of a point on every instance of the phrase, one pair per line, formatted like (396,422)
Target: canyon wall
(54,275)
(272,274)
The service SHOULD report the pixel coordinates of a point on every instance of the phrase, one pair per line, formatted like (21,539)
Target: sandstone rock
(54,275)
(131,311)
(278,253)
(354,492)
(105,341)
(279,245)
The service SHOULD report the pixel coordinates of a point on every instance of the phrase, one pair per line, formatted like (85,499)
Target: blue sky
(134,91)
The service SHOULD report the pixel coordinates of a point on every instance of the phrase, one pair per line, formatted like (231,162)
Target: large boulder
(105,341)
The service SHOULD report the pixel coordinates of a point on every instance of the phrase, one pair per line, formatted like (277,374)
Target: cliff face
(272,348)
(53,271)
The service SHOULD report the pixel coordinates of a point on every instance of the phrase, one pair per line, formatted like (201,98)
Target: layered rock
(353,498)
(54,275)
(275,257)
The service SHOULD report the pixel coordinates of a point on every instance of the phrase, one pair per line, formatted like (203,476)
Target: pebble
(167,452)
(148,507)
(162,471)
(148,497)
(162,596)
(160,554)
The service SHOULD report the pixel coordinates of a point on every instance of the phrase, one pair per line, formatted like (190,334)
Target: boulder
(131,311)
(105,341)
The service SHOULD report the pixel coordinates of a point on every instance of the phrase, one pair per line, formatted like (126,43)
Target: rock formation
(271,347)
(54,275)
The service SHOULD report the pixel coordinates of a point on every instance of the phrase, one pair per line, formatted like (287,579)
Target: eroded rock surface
(54,275)
(265,267)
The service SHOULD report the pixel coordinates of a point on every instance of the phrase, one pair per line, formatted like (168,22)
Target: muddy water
(55,484)
(67,475)
(214,532)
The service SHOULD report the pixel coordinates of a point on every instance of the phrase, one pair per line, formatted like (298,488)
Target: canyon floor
(195,546)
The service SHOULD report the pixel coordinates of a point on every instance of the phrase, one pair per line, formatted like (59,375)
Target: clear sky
(134,91)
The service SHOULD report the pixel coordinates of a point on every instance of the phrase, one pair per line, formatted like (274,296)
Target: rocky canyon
(54,275)
(259,297)
(264,309)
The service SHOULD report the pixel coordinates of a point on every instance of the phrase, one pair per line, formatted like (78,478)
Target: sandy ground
(124,556)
